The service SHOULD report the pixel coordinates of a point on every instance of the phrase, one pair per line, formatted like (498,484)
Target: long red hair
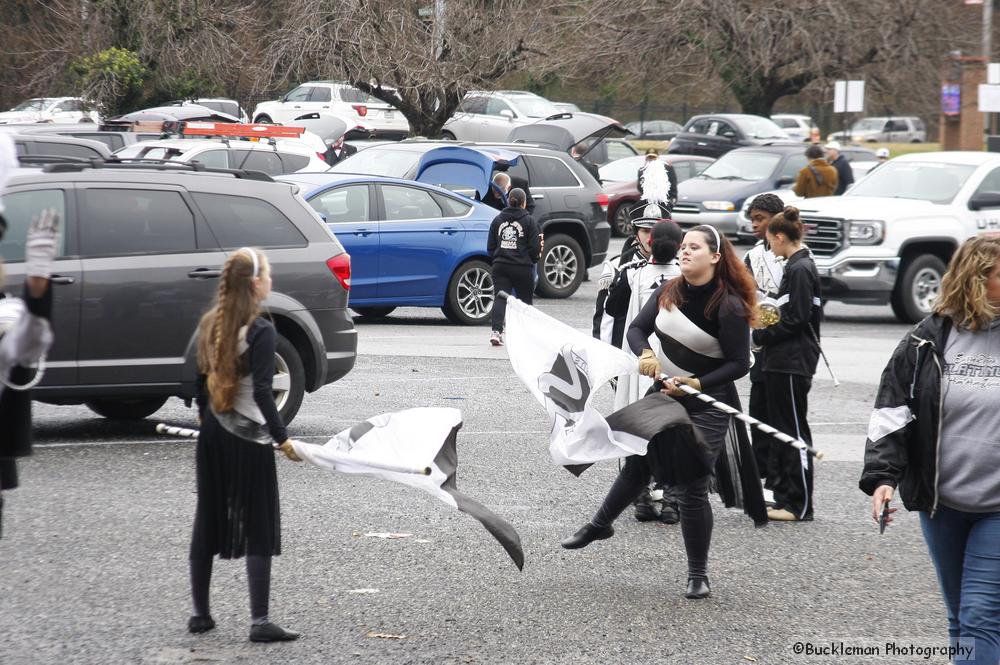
(731,278)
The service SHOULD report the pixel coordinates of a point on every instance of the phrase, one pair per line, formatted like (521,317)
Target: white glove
(42,244)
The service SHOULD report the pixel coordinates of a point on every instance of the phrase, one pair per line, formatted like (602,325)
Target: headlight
(725,206)
(865,232)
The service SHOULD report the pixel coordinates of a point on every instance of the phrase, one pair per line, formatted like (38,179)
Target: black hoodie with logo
(514,238)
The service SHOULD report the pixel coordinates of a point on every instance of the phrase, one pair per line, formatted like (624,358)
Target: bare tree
(422,56)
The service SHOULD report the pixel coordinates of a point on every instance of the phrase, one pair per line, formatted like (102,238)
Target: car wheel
(448,136)
(469,300)
(263,120)
(374,312)
(622,225)
(126,409)
(562,267)
(289,383)
(917,288)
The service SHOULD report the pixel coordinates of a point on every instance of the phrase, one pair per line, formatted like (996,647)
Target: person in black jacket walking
(514,244)
(845,175)
(791,354)
(933,433)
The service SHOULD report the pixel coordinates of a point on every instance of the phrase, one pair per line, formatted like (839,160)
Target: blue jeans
(965,549)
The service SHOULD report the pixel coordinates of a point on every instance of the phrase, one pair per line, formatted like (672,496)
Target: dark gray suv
(142,248)
(570,206)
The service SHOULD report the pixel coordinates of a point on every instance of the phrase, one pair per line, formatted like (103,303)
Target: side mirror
(507,113)
(730,135)
(784,181)
(984,200)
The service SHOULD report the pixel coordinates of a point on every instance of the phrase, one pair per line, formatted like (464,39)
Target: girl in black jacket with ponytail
(791,352)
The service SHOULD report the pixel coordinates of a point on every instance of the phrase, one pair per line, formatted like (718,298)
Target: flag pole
(750,420)
(188,433)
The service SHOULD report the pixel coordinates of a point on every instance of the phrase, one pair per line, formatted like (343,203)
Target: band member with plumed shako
(702,321)
(791,352)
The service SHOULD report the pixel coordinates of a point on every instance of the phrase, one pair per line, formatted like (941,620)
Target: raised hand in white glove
(41,244)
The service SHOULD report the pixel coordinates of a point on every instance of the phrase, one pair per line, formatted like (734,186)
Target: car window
(495,105)
(682,170)
(67,106)
(113,141)
(320,94)
(258,160)
(293,162)
(739,165)
(618,149)
(409,203)
(991,183)
(713,128)
(550,172)
(723,128)
(475,105)
(62,149)
(300,94)
(214,158)
(377,161)
(784,122)
(135,221)
(923,181)
(355,96)
(19,209)
(451,207)
(793,165)
(895,126)
(699,126)
(343,204)
(240,221)
(519,172)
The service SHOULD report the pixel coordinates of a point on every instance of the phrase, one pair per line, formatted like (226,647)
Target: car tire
(469,299)
(373,312)
(622,226)
(263,120)
(917,287)
(562,266)
(289,379)
(448,136)
(126,409)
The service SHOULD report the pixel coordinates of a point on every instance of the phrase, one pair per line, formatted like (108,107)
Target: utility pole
(988,52)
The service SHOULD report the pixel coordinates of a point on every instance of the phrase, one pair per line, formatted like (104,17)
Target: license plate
(388,115)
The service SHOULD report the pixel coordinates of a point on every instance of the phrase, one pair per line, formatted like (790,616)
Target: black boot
(271,632)
(586,535)
(698,588)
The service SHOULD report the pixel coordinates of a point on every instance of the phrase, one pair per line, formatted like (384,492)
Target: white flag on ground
(414,438)
(563,368)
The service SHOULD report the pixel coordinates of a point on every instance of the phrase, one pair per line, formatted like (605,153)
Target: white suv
(340,99)
(284,156)
(490,116)
(50,109)
(798,127)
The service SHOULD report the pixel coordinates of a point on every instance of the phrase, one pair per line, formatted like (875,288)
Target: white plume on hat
(655,183)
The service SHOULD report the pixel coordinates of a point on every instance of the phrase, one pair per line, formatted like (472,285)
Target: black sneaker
(271,632)
(669,514)
(200,624)
(646,512)
(586,535)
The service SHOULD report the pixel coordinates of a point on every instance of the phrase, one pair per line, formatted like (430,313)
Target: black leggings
(258,579)
(516,280)
(692,498)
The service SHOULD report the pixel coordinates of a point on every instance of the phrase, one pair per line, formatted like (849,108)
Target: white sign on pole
(989,98)
(993,73)
(849,97)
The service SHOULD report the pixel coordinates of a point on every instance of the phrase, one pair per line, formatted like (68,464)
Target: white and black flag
(414,438)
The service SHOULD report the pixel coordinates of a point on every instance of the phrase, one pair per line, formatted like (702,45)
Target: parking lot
(95,541)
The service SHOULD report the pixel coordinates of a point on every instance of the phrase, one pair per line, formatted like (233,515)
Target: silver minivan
(893,129)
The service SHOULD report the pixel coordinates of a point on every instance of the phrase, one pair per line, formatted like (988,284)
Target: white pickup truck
(889,239)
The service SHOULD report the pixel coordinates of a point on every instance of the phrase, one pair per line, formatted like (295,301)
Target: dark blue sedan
(411,244)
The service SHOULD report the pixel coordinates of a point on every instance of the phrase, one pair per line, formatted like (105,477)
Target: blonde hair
(236,305)
(963,288)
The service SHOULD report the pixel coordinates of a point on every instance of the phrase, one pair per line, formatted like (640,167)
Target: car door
(419,245)
(293,105)
(492,125)
(21,205)
(150,269)
(348,211)
(697,140)
(466,124)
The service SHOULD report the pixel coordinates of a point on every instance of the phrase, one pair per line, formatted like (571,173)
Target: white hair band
(256,261)
(718,240)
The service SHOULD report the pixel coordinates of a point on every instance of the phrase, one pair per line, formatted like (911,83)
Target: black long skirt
(237,512)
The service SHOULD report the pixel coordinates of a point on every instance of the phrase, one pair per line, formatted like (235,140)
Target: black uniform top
(845,175)
(513,238)
(789,344)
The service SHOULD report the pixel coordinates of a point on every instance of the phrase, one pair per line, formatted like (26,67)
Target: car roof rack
(155,165)
(57,159)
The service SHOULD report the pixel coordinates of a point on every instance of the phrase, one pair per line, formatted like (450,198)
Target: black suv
(715,135)
(141,249)
(570,206)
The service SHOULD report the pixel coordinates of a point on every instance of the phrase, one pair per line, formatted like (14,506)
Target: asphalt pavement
(94,551)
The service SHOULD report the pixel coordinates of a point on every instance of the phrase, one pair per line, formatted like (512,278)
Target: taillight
(340,266)
(361,109)
(321,156)
(603,200)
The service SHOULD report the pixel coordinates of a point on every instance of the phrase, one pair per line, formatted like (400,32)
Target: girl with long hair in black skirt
(702,320)
(237,513)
